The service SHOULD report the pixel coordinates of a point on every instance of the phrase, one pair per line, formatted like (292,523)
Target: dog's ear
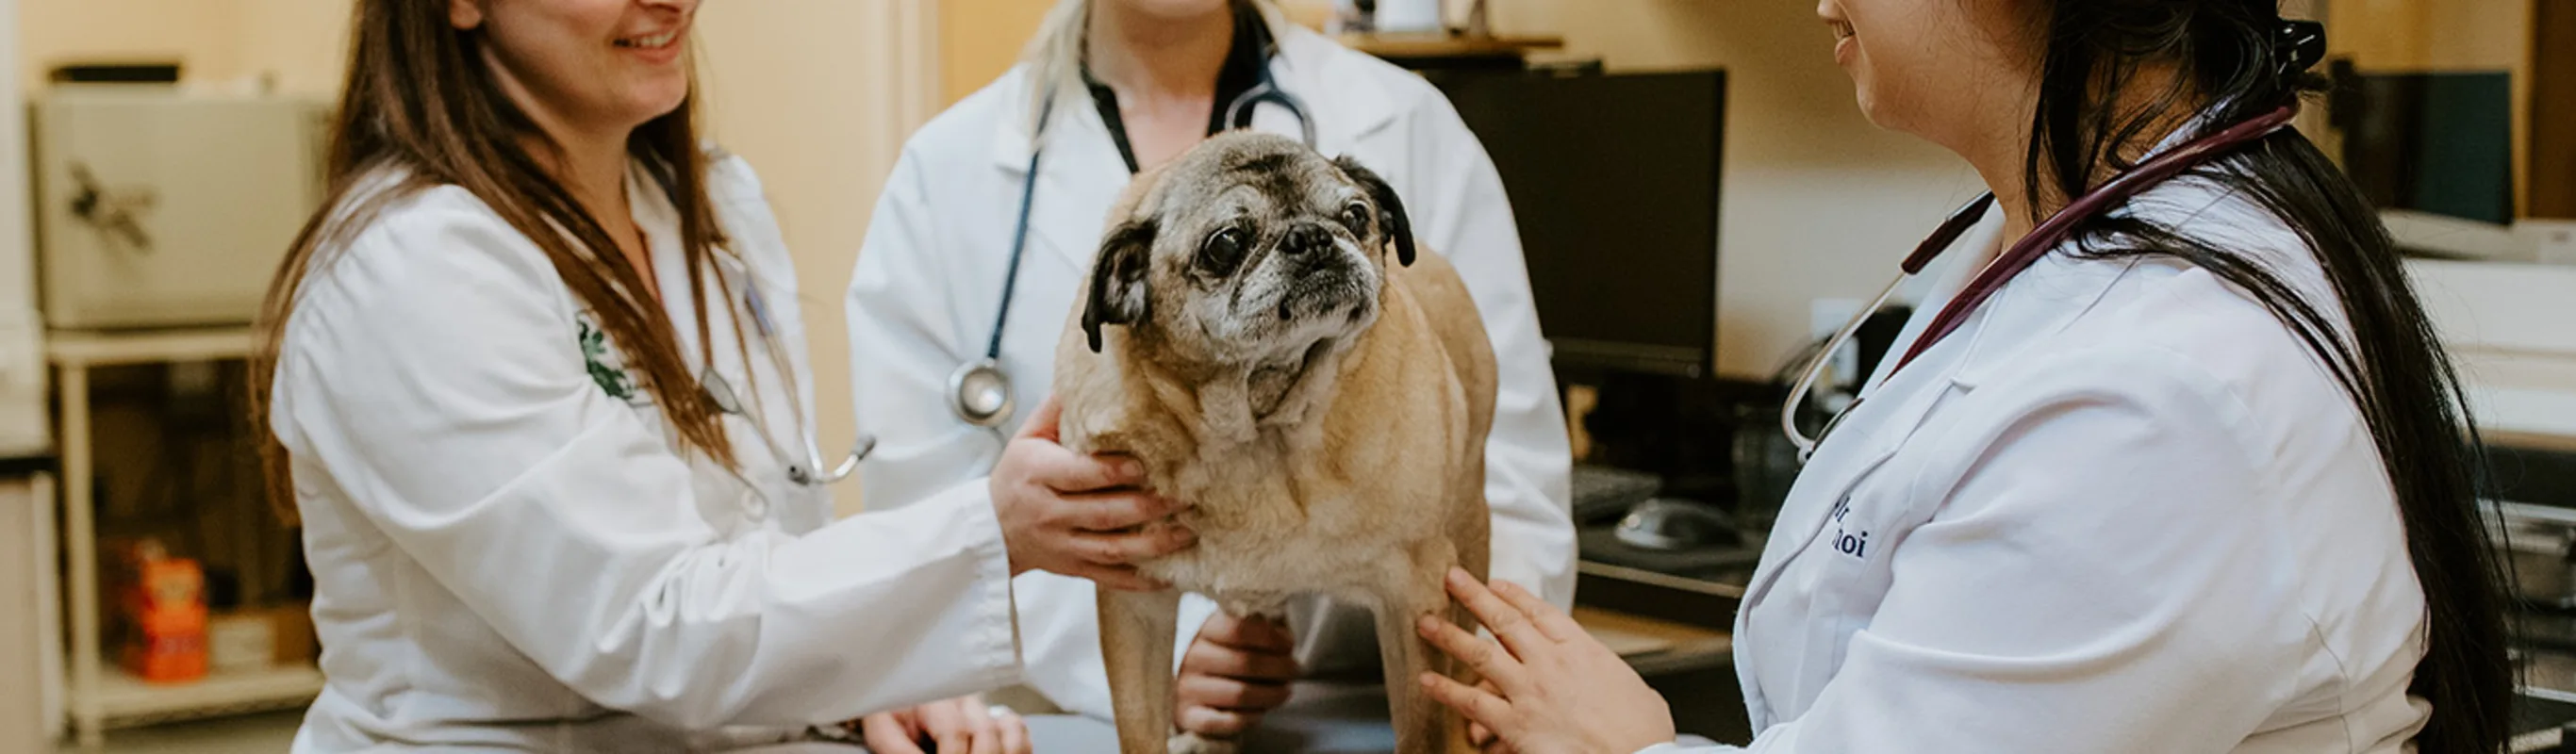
(1396,225)
(1118,288)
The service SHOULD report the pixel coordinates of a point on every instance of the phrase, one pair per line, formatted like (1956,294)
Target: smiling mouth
(1842,29)
(652,42)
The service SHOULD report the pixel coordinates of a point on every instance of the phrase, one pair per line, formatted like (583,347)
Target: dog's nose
(1307,239)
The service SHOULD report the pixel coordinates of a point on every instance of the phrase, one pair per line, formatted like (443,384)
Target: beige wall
(811,92)
(59,31)
(1814,201)
(301,43)
(799,90)
(980,39)
(304,44)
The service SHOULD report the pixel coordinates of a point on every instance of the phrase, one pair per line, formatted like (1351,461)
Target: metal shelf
(125,701)
(98,348)
(100,695)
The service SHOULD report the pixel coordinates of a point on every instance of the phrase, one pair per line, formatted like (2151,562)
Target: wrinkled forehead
(1239,176)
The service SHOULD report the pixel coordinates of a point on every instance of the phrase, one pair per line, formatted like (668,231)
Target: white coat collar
(659,221)
(1081,173)
(2062,286)
(1347,99)
(1079,177)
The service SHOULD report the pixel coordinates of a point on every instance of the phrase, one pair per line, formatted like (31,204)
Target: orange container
(164,610)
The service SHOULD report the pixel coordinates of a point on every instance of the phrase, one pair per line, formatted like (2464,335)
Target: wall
(816,94)
(791,90)
(980,39)
(1814,202)
(303,44)
(198,32)
(22,366)
(30,669)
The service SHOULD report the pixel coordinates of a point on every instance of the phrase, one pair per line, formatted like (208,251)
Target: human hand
(1551,688)
(1236,671)
(1083,516)
(963,725)
(1481,737)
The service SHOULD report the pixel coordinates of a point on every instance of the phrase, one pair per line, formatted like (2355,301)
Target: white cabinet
(157,207)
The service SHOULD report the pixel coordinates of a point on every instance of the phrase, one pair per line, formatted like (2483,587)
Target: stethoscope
(979,392)
(720,391)
(2013,261)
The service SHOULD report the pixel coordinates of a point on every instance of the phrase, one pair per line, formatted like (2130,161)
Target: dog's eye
(1356,218)
(1223,250)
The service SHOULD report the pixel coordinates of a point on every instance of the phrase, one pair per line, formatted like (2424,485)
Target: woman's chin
(1870,108)
(646,106)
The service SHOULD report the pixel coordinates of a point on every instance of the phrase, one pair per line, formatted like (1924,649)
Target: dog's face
(1249,250)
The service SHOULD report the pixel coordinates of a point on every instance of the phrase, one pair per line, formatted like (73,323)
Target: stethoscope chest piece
(980,394)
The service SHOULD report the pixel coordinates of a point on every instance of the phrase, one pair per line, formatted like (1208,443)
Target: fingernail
(1425,625)
(1459,576)
(1131,468)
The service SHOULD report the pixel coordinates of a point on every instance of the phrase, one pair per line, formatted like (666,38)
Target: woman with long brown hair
(537,385)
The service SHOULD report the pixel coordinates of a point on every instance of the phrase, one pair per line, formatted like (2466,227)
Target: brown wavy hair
(421,101)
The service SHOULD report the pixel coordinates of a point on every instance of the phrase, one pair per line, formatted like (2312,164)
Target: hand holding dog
(1552,688)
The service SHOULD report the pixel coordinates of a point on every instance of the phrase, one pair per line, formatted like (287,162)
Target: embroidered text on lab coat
(1844,540)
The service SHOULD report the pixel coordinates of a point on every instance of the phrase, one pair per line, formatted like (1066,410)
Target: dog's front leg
(1406,593)
(1136,644)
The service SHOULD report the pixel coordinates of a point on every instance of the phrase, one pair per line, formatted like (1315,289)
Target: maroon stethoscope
(2013,261)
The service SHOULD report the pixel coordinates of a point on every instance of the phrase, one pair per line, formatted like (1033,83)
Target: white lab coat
(2121,510)
(928,285)
(510,556)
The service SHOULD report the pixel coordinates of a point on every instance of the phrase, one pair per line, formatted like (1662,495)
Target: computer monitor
(1614,180)
(2431,142)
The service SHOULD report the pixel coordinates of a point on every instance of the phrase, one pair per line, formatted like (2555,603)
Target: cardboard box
(261,638)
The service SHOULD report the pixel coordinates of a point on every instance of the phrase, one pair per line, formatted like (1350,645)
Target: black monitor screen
(2431,142)
(1614,181)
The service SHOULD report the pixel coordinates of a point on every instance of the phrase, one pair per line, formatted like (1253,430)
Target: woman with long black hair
(2170,461)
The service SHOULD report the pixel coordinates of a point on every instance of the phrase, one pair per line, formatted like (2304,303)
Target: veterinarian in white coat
(2127,505)
(930,281)
(544,515)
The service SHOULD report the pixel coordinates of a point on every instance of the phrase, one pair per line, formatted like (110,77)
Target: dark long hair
(420,99)
(2233,58)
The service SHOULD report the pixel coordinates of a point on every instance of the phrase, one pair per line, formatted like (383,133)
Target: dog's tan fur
(1364,481)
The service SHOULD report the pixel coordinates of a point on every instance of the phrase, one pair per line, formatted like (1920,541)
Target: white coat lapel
(660,225)
(1878,425)
(1079,176)
(1873,431)
(1347,105)
(2042,300)
(1973,251)
(1866,439)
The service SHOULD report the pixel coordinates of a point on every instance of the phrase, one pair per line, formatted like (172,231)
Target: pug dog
(1260,330)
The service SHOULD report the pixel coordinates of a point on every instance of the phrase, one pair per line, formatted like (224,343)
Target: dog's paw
(1191,743)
